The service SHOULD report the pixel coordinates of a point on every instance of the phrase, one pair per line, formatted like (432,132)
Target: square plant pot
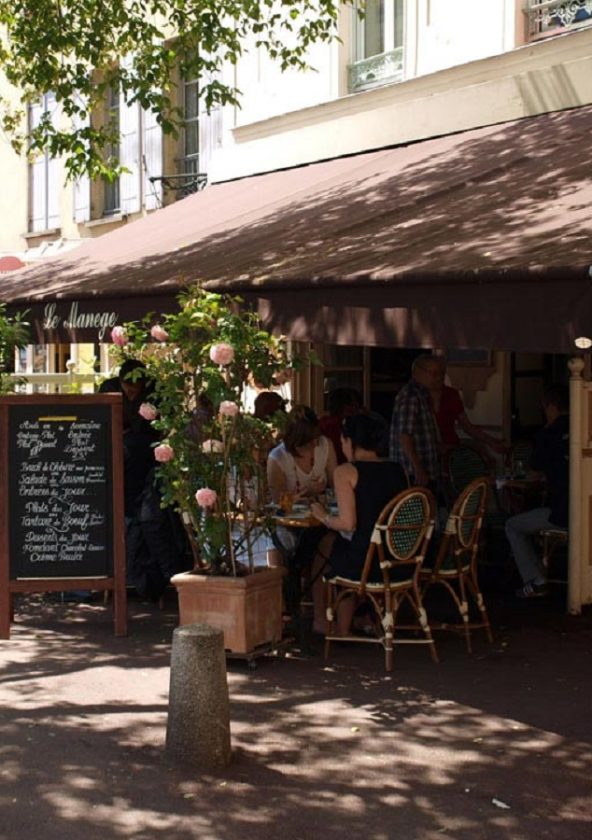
(248,609)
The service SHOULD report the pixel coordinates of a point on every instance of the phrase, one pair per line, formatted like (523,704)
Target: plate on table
(299,508)
(298,514)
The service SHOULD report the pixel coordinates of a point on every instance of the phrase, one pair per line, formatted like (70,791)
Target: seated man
(551,459)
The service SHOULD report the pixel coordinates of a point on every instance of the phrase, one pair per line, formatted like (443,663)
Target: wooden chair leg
(388,624)
(330,618)
(422,618)
(474,586)
(464,612)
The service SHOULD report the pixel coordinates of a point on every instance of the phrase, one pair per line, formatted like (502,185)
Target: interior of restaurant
(501,391)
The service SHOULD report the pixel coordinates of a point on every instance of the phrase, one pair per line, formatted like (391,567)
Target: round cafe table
(519,494)
(297,520)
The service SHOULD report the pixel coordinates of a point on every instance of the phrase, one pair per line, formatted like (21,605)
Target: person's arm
(345,479)
(478,434)
(408,447)
(276,480)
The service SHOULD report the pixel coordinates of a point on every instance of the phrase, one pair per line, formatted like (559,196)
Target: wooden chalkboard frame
(116,581)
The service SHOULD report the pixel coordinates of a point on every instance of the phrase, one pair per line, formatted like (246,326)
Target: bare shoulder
(345,474)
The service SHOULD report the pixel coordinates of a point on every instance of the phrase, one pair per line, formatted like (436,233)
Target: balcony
(378,70)
(551,17)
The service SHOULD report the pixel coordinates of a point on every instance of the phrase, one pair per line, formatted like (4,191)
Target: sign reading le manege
(78,320)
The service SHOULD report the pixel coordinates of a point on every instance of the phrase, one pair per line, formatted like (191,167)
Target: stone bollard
(198,728)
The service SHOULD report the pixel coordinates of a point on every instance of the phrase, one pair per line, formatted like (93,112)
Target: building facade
(409,70)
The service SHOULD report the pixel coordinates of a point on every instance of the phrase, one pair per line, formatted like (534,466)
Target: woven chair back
(407,523)
(466,463)
(471,510)
(405,527)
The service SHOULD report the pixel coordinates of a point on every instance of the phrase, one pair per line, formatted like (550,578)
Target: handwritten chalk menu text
(60,499)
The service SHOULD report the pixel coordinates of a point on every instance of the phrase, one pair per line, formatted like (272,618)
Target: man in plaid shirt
(415,439)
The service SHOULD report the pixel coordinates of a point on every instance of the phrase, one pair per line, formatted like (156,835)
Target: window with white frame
(548,16)
(138,149)
(44,190)
(377,43)
(189,162)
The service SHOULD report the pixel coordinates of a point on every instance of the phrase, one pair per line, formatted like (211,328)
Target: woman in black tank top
(363,486)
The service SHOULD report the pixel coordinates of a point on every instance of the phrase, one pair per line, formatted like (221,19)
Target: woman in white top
(303,463)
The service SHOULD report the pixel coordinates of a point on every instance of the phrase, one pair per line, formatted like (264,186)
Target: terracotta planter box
(248,609)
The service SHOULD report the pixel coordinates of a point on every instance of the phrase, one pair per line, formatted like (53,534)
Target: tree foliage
(14,333)
(73,48)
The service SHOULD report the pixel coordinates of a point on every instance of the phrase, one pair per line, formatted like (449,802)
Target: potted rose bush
(211,454)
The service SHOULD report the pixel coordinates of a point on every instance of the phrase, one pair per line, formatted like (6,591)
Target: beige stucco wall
(463,73)
(13,195)
(545,76)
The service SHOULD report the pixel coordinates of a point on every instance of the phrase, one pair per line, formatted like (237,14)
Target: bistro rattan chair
(464,463)
(555,540)
(398,544)
(455,566)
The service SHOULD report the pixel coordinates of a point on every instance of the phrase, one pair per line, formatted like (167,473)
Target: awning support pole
(575,558)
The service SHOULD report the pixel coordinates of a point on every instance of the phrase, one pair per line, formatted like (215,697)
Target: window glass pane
(337,356)
(190,161)
(374,28)
(191,100)
(191,139)
(39,358)
(398,23)
(342,379)
(112,196)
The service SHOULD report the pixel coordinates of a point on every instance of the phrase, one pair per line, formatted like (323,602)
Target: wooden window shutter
(129,151)
(81,201)
(152,160)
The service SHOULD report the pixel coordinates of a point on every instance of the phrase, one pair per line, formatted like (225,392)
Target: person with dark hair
(550,460)
(138,434)
(154,539)
(414,437)
(341,402)
(136,388)
(268,403)
(304,462)
(363,486)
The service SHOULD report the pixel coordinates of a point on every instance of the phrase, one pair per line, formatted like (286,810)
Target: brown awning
(480,239)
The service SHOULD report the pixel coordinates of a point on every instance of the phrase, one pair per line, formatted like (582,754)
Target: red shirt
(330,426)
(450,409)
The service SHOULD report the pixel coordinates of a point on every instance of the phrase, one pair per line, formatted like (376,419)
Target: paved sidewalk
(493,745)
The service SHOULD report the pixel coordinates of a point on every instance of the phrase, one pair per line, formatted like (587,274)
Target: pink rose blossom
(164,453)
(221,354)
(212,446)
(119,336)
(148,411)
(206,498)
(228,408)
(159,333)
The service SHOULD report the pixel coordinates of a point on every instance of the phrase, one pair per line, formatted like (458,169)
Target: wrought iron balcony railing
(548,16)
(377,70)
(183,184)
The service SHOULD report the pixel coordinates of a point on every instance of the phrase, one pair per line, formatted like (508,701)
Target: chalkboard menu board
(61,497)
(59,501)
